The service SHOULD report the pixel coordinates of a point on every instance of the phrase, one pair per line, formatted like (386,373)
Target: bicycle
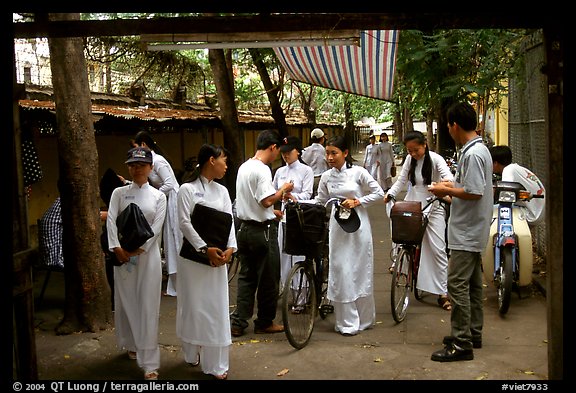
(409,222)
(301,302)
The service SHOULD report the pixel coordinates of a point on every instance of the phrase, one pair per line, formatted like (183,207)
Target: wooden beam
(251,36)
(282,23)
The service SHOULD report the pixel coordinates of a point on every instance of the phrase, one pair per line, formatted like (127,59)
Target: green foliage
(457,64)
(431,66)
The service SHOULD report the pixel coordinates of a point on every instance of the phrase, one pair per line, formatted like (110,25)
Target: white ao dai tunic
(203,315)
(433,271)
(351,255)
(137,286)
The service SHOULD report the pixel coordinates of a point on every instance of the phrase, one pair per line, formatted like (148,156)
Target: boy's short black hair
(266,138)
(464,115)
(501,154)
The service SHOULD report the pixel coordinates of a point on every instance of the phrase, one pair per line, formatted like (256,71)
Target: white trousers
(213,360)
(355,316)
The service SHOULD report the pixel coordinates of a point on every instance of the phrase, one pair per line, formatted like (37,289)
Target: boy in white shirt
(502,161)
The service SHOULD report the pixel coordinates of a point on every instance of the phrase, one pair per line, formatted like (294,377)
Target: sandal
(151,375)
(132,355)
(196,363)
(444,302)
(221,377)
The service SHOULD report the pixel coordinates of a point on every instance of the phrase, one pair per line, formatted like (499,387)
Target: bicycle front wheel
(400,290)
(325,305)
(299,305)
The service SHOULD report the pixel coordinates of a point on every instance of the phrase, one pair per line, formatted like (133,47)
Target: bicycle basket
(408,222)
(305,226)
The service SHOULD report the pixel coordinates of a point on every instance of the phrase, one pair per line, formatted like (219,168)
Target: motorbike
(507,261)
(452,161)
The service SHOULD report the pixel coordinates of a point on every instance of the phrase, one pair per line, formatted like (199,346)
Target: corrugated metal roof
(124,107)
(165,114)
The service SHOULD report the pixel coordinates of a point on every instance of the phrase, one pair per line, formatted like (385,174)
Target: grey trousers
(465,290)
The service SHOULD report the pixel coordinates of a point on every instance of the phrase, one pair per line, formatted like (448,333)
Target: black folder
(213,226)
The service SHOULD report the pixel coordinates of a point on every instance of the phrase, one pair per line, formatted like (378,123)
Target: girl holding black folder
(202,317)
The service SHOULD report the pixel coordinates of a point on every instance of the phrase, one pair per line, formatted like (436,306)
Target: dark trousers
(259,275)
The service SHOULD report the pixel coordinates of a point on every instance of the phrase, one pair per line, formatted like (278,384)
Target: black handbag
(213,226)
(133,228)
(305,229)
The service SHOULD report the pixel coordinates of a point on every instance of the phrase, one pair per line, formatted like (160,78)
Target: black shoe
(452,353)
(476,342)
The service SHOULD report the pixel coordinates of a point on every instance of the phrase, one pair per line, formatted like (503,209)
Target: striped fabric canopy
(366,70)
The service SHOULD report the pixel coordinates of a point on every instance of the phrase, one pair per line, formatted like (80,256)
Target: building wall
(112,149)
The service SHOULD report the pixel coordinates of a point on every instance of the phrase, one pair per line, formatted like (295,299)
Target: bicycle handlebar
(331,200)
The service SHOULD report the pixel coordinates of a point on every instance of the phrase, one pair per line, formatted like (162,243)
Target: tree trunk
(87,306)
(398,126)
(349,126)
(408,123)
(445,145)
(271,91)
(430,131)
(229,116)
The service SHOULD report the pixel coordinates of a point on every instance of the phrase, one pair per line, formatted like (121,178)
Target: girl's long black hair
(206,151)
(426,165)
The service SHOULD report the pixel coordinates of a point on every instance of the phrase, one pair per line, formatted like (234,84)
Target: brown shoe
(273,328)
(237,332)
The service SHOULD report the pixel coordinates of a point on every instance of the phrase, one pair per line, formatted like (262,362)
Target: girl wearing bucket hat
(351,253)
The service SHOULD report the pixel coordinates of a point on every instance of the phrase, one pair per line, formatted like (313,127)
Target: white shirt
(300,174)
(315,156)
(254,184)
(534,208)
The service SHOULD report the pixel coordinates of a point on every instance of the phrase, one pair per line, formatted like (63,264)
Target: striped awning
(366,70)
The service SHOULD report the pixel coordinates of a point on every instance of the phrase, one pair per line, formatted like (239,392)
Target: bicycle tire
(325,306)
(418,293)
(506,279)
(299,305)
(400,289)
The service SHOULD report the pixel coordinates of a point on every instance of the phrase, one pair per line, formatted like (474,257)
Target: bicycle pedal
(297,309)
(327,308)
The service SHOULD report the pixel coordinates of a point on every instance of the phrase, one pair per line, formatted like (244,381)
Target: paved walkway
(514,346)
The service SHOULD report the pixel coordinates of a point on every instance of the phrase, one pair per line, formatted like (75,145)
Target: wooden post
(24,360)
